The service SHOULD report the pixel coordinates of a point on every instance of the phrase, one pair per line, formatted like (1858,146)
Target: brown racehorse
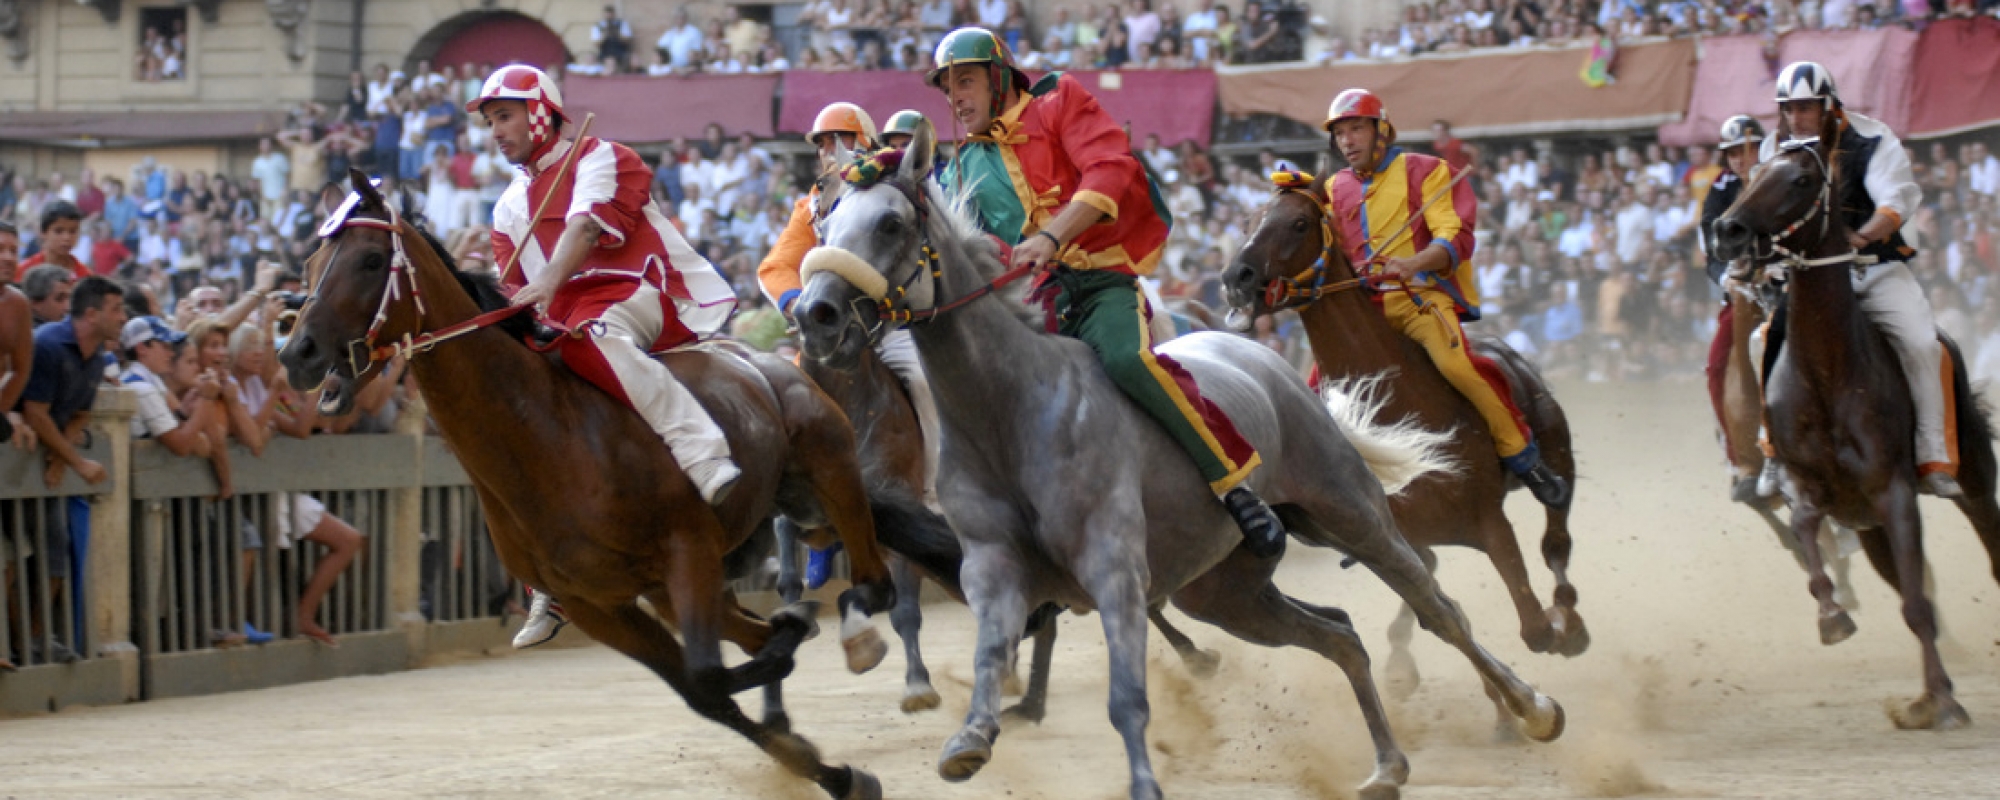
(581,498)
(1353,341)
(1841,419)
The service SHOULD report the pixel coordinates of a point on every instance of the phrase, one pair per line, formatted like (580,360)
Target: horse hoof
(1202,663)
(863,786)
(865,650)
(964,755)
(1836,628)
(804,613)
(1927,714)
(1544,722)
(1572,638)
(1379,790)
(920,698)
(1025,712)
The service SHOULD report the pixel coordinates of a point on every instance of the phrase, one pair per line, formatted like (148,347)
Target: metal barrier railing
(212,582)
(44,595)
(209,569)
(462,576)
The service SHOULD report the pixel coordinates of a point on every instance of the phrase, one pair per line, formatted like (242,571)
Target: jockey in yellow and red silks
(1420,255)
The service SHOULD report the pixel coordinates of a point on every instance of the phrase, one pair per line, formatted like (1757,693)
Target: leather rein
(364,354)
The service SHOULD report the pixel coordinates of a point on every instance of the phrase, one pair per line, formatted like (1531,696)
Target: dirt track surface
(1705,679)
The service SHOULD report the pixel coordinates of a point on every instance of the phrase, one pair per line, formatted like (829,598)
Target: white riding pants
(1892,298)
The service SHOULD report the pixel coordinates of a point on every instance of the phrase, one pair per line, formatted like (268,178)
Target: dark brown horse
(1841,419)
(1353,341)
(582,499)
(1743,418)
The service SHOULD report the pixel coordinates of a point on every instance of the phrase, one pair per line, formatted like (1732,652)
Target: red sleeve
(1097,146)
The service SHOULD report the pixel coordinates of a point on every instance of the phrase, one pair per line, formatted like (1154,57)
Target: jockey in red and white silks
(608,264)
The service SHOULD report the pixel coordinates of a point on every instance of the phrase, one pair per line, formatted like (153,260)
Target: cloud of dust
(1601,757)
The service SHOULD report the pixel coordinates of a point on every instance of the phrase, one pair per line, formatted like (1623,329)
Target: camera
(293,300)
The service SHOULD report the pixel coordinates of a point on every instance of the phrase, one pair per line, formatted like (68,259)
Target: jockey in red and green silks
(1053,176)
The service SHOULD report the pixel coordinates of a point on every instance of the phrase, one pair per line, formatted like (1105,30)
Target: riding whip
(562,171)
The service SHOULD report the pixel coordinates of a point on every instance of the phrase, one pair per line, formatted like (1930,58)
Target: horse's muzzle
(1733,239)
(1239,284)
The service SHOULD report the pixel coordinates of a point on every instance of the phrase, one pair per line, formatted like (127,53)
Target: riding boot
(545,620)
(1939,484)
(1548,488)
(1263,532)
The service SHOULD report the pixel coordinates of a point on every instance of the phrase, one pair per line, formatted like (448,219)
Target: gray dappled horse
(1063,491)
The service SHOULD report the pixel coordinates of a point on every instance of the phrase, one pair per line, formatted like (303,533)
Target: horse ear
(363,187)
(330,198)
(921,152)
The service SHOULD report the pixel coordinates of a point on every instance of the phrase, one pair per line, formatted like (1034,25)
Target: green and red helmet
(975,46)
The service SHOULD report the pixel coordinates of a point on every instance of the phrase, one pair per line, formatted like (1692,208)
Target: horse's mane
(965,242)
(484,288)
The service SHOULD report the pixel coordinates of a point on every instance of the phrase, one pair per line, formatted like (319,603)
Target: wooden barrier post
(405,549)
(110,555)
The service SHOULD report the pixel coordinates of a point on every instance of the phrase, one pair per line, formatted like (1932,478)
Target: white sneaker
(544,622)
(1767,483)
(713,478)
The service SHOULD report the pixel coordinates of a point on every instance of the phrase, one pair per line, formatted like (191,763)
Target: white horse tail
(1397,453)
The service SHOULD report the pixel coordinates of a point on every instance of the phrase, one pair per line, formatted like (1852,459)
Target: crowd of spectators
(842,35)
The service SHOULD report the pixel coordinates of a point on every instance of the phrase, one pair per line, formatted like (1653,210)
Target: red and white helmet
(529,85)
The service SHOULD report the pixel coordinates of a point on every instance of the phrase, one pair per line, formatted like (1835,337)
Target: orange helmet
(844,118)
(1360,104)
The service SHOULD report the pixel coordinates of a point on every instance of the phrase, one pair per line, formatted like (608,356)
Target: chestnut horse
(1293,260)
(1841,419)
(581,497)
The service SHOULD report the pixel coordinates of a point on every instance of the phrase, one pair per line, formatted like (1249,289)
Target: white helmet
(1805,80)
(1740,130)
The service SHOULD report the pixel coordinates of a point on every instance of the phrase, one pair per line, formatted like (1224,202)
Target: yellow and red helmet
(1360,104)
(844,118)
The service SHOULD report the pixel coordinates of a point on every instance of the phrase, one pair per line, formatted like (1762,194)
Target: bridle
(893,306)
(1310,284)
(363,354)
(1821,209)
